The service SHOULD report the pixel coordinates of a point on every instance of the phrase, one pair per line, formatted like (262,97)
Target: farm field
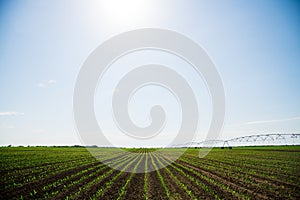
(73,173)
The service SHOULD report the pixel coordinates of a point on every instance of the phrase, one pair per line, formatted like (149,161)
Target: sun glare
(125,12)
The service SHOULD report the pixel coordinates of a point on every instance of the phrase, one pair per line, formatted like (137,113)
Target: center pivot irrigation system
(250,140)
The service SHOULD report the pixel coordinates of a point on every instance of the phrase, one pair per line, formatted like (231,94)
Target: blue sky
(255,45)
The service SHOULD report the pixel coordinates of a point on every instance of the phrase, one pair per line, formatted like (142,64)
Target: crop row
(149,174)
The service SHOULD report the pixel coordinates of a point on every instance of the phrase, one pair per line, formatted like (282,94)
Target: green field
(73,173)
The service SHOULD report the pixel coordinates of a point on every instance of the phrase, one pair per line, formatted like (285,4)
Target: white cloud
(11,113)
(42,85)
(52,81)
(263,122)
(272,121)
(47,84)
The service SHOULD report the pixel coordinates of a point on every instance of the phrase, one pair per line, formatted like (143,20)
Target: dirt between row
(135,188)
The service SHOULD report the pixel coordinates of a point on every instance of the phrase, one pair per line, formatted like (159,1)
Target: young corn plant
(145,177)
